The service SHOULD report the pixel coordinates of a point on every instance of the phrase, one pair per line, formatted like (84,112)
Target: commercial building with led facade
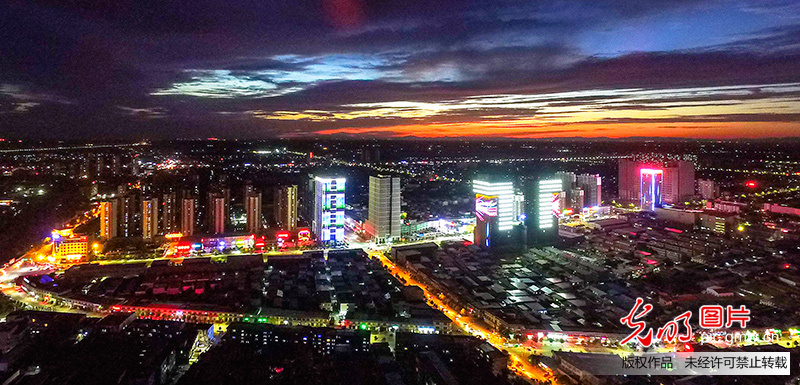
(485,220)
(651,180)
(543,195)
(494,210)
(329,204)
(547,197)
(503,208)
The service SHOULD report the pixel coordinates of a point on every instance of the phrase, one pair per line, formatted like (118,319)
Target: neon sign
(651,180)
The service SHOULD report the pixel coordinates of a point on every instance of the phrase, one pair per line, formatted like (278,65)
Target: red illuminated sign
(751,184)
(651,171)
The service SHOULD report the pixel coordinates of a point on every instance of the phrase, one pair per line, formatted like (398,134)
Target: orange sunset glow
(519,129)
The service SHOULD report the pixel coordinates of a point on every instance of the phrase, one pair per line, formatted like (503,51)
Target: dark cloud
(729,118)
(100,63)
(645,70)
(783,39)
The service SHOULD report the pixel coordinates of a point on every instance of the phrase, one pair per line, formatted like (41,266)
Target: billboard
(485,206)
(555,205)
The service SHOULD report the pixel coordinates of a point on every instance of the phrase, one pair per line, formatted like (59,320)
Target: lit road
(518,362)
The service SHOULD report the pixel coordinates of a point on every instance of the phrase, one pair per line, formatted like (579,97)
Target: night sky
(293,68)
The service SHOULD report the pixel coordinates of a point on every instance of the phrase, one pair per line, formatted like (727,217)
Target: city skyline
(531,252)
(420,192)
(346,68)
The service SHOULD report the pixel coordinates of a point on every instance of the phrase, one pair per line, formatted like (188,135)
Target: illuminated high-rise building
(494,210)
(252,209)
(591,184)
(564,202)
(169,213)
(579,190)
(128,214)
(384,207)
(248,189)
(547,191)
(149,218)
(707,189)
(329,204)
(286,207)
(109,218)
(679,182)
(629,181)
(101,166)
(568,184)
(503,193)
(577,200)
(568,179)
(543,196)
(651,184)
(519,207)
(216,213)
(86,168)
(116,165)
(188,216)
